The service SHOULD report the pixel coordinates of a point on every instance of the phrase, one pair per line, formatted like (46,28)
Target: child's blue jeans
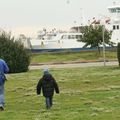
(48,102)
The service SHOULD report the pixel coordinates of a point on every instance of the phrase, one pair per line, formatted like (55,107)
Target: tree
(14,53)
(118,53)
(93,36)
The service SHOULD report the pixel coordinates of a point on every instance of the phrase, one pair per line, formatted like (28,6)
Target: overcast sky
(29,16)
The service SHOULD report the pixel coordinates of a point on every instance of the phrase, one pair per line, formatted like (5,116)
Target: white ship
(72,40)
(60,41)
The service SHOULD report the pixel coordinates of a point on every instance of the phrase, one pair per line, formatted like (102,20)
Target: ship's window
(78,37)
(71,37)
(118,27)
(118,10)
(113,10)
(64,37)
(114,27)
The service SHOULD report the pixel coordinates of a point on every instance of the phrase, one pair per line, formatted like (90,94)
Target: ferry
(60,41)
(71,40)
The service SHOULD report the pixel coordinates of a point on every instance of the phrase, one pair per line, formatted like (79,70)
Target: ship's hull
(63,50)
(56,44)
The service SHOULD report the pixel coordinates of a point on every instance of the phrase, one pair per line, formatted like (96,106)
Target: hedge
(14,53)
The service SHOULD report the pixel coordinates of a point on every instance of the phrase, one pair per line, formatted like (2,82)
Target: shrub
(14,53)
(118,53)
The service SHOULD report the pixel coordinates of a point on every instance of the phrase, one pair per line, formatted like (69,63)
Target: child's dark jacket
(48,84)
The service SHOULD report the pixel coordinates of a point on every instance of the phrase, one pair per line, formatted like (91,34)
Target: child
(48,85)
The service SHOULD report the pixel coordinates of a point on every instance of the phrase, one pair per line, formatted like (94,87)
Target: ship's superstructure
(114,12)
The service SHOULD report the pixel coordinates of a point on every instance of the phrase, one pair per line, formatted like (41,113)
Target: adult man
(48,85)
(3,69)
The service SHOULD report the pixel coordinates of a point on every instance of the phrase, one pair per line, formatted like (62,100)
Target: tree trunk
(98,49)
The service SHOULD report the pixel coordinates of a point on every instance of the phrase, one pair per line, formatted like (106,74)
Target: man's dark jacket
(48,85)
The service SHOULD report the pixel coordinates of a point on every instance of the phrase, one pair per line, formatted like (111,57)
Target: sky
(29,16)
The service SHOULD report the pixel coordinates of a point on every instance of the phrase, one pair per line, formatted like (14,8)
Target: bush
(118,53)
(14,53)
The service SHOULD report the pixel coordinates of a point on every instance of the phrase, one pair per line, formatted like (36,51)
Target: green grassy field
(85,94)
(68,56)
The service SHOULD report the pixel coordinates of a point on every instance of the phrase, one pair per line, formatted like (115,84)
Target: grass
(77,56)
(85,94)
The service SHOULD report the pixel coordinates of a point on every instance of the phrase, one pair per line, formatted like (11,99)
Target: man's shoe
(1,108)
